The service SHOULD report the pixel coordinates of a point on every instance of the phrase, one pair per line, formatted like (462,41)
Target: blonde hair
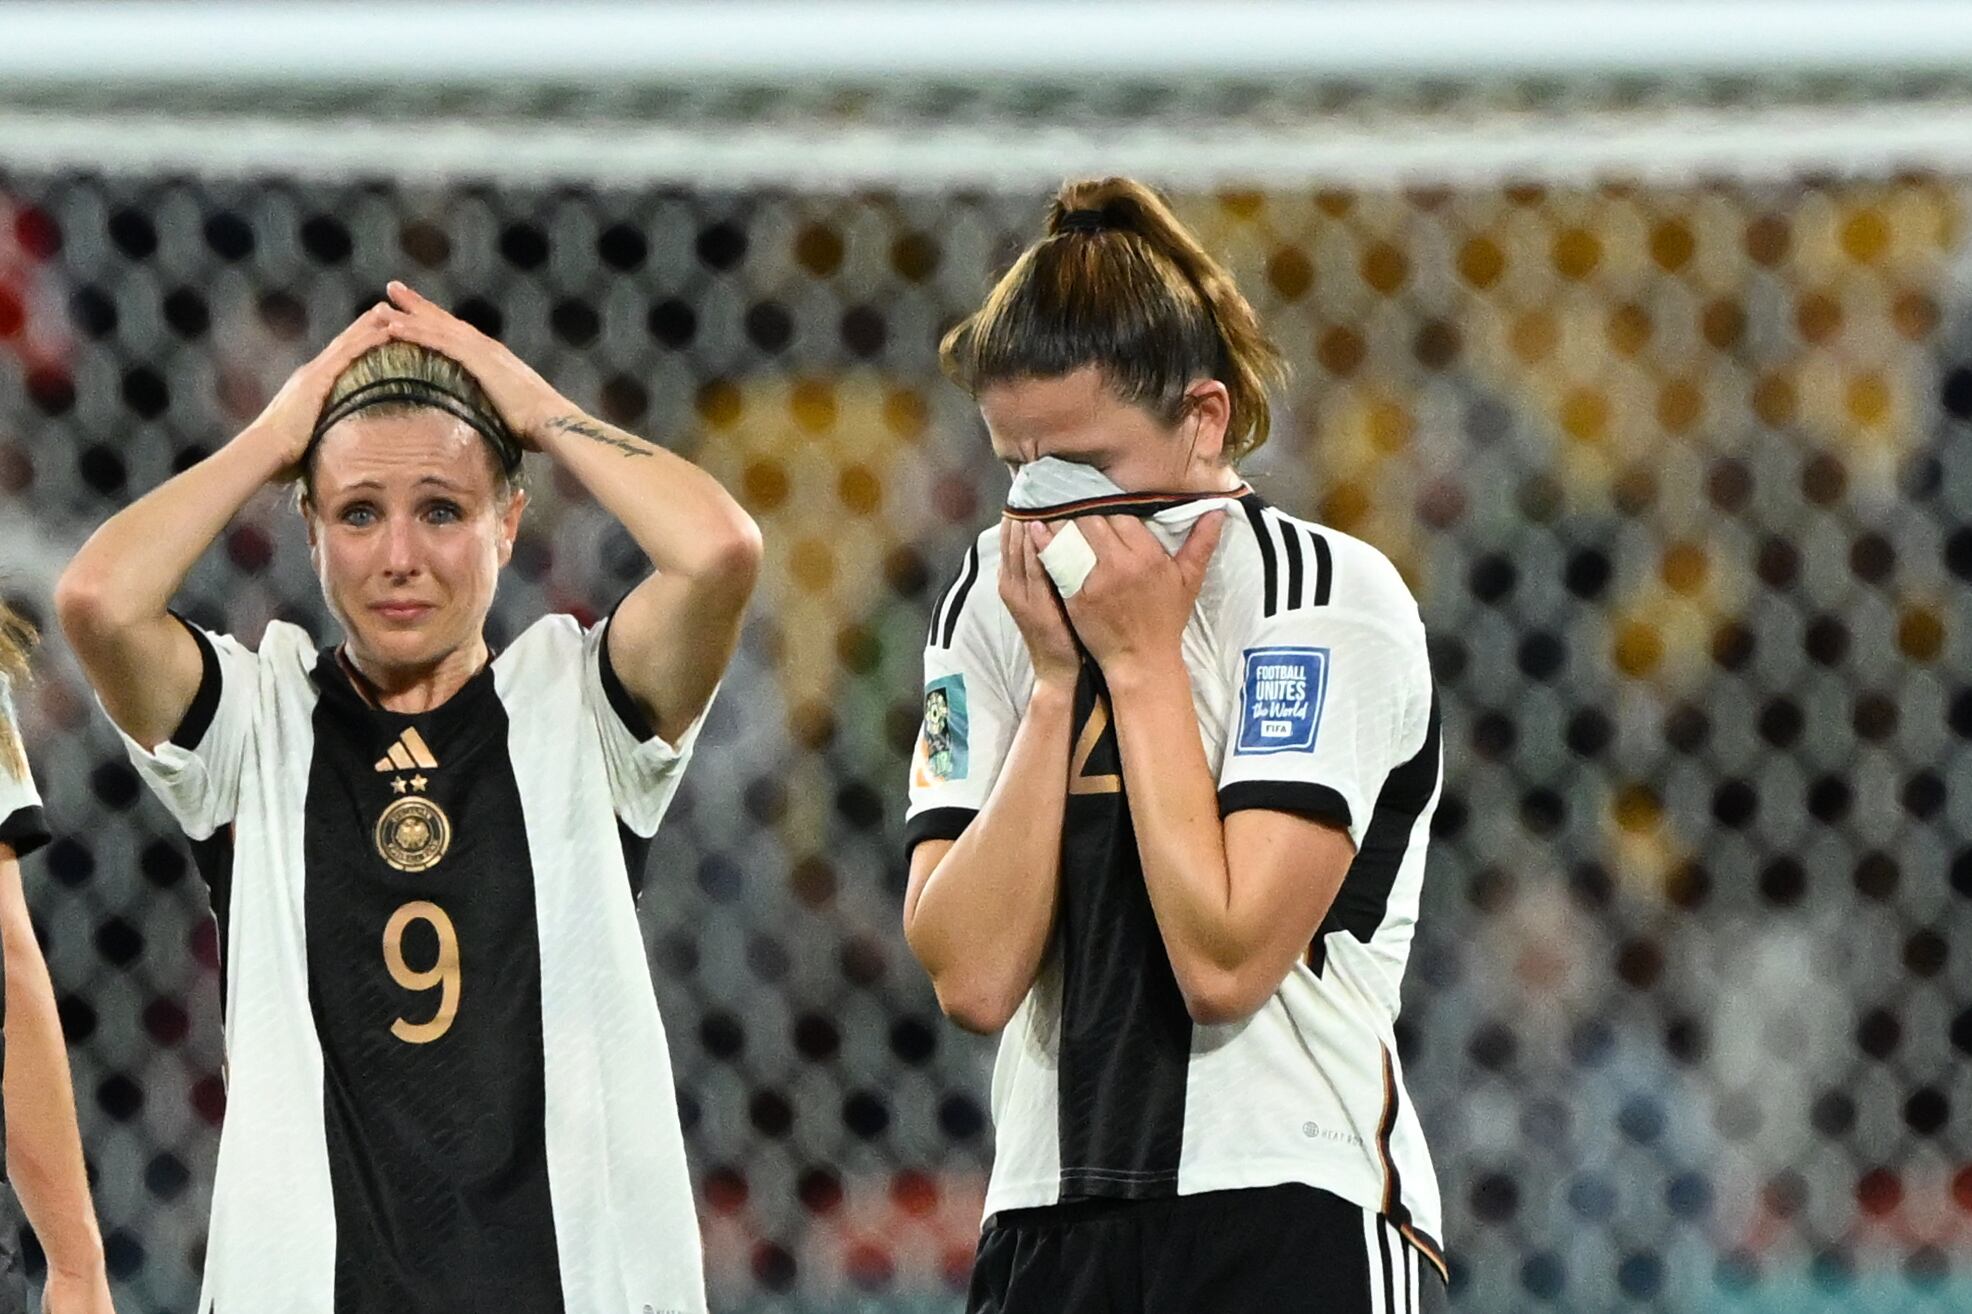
(1119,283)
(17,637)
(398,377)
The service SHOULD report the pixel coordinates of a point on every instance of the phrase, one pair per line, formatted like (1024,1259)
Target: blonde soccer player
(448,1087)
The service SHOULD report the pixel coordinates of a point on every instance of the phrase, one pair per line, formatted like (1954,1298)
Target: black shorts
(1269,1250)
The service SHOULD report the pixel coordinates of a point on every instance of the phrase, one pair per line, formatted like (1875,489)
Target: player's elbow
(86,605)
(975,999)
(1217,996)
(975,1006)
(733,556)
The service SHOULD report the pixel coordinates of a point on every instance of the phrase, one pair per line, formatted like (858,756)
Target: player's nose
(402,554)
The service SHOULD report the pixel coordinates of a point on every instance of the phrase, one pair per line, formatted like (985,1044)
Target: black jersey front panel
(425,983)
(1125,1032)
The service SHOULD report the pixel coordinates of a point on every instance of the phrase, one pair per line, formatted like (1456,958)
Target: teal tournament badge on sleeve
(944,738)
(1280,699)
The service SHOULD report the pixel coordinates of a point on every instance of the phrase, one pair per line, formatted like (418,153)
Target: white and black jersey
(448,1085)
(1314,696)
(23,829)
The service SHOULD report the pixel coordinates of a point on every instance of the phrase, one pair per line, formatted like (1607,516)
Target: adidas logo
(408,753)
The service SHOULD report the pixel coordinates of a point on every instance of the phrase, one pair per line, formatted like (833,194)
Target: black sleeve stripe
(205,703)
(1324,569)
(936,824)
(620,699)
(1262,536)
(1364,899)
(1292,542)
(1300,797)
(946,627)
(24,830)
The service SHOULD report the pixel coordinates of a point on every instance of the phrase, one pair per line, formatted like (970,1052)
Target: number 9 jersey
(448,1086)
(1314,696)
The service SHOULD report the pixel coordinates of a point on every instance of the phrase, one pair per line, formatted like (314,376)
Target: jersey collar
(1052,488)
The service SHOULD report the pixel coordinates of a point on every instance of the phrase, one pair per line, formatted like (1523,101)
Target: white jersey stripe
(1378,1268)
(1324,568)
(1403,1273)
(271,1182)
(1290,543)
(1283,599)
(625,1232)
(1410,1277)
(1263,539)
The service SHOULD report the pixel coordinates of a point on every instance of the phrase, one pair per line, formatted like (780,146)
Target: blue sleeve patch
(944,735)
(1280,701)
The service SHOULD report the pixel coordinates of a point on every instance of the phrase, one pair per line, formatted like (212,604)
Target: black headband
(1082,221)
(421,392)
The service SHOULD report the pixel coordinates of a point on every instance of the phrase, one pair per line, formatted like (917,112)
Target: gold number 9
(444,973)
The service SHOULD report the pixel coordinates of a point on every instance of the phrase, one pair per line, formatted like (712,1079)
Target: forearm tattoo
(596,433)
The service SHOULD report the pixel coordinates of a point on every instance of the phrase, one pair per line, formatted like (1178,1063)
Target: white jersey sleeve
(969,705)
(23,828)
(196,772)
(643,769)
(1328,699)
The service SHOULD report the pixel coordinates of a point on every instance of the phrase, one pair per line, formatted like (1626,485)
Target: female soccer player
(448,1086)
(1175,840)
(43,1149)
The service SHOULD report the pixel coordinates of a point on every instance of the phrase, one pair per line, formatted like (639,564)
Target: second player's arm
(979,910)
(1237,901)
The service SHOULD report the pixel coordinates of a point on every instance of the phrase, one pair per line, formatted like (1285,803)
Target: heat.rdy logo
(1280,702)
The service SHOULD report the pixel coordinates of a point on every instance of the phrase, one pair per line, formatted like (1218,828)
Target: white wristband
(1068,559)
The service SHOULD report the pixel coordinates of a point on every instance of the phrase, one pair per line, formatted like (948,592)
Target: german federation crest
(1280,699)
(413,834)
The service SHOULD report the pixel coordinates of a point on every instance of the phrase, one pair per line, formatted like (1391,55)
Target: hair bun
(1081,221)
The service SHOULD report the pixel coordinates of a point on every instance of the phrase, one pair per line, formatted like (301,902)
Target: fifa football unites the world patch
(1280,703)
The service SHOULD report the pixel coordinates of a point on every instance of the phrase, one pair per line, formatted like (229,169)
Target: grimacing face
(408,527)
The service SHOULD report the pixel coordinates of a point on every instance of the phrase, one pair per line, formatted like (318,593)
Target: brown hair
(1119,283)
(399,377)
(16,637)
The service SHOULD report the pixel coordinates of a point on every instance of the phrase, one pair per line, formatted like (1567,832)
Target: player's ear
(510,515)
(1207,413)
(305,508)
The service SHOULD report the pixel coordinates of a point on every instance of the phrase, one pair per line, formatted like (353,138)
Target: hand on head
(526,401)
(288,420)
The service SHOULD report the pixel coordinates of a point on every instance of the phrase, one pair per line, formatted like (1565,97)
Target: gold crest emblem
(413,834)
